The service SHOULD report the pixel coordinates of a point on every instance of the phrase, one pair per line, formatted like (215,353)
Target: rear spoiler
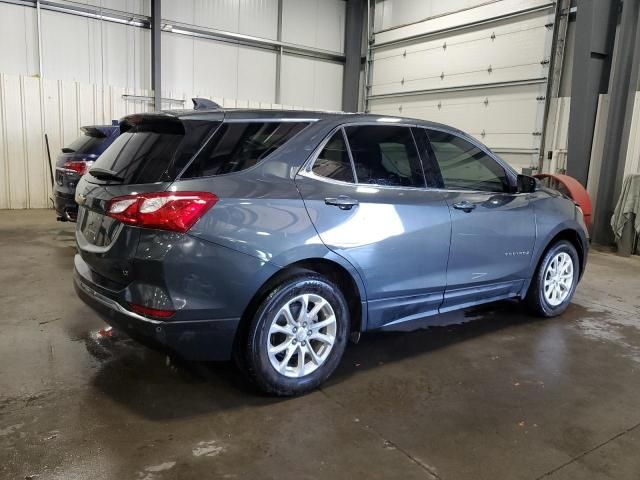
(93,132)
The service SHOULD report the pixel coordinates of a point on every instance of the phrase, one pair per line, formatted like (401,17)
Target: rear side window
(385,155)
(85,143)
(238,146)
(465,166)
(156,151)
(334,162)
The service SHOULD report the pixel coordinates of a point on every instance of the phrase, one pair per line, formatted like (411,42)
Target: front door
(365,193)
(492,227)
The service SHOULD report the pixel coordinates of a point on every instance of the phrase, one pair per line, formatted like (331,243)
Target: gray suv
(273,236)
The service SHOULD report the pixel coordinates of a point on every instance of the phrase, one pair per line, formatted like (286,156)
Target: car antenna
(203,103)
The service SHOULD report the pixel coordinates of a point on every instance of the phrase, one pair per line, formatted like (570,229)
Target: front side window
(465,166)
(385,155)
(333,161)
(237,146)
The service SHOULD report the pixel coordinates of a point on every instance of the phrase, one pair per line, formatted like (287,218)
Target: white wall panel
(177,62)
(311,83)
(215,70)
(632,164)
(316,23)
(24,171)
(257,74)
(18,30)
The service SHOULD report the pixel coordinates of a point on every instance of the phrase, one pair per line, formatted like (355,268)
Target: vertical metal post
(353,55)
(558,43)
(595,31)
(368,60)
(279,56)
(156,56)
(39,25)
(622,86)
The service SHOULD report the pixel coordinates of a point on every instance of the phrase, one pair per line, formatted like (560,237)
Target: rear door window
(385,155)
(155,151)
(237,146)
(333,161)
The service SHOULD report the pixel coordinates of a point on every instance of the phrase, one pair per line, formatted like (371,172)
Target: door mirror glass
(527,184)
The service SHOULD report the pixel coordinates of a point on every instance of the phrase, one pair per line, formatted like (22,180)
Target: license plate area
(98,229)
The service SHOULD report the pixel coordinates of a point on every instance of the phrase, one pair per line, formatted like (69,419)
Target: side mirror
(527,184)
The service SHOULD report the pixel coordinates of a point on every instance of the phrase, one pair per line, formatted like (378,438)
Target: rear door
(366,194)
(493,228)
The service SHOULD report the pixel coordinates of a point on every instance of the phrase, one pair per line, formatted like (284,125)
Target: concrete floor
(504,396)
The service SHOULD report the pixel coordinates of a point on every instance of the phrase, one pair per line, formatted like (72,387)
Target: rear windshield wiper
(105,174)
(67,150)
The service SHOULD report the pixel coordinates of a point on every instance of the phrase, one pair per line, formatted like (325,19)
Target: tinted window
(156,151)
(465,166)
(238,146)
(85,144)
(334,162)
(385,155)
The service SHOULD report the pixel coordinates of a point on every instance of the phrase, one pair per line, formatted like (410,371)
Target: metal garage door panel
(499,52)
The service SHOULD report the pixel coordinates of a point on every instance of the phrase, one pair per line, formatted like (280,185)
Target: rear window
(237,146)
(85,143)
(155,151)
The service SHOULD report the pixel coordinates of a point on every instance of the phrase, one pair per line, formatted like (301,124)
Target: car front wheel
(297,335)
(555,281)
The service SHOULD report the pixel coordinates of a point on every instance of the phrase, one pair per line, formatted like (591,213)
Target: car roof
(314,115)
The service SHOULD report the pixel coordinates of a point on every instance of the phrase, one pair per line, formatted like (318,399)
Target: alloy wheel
(301,335)
(558,279)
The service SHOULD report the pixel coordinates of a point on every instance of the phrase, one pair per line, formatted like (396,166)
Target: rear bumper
(66,206)
(198,340)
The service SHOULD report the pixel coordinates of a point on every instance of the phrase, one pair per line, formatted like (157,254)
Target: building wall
(89,66)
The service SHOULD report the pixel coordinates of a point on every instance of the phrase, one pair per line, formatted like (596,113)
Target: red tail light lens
(78,166)
(151,312)
(173,211)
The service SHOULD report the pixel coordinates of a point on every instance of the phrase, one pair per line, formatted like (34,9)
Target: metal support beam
(621,92)
(353,54)
(142,21)
(279,56)
(556,63)
(595,30)
(156,54)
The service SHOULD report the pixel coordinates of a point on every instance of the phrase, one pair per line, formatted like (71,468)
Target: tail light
(151,312)
(78,166)
(173,211)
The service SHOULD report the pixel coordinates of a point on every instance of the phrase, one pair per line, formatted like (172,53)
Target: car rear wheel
(297,335)
(555,281)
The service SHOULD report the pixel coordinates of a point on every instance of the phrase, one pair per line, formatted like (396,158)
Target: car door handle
(465,206)
(342,202)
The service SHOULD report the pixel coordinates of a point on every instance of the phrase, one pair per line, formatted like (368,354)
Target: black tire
(254,359)
(535,299)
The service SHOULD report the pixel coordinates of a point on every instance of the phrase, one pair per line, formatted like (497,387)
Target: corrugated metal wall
(89,64)
(462,47)
(29,108)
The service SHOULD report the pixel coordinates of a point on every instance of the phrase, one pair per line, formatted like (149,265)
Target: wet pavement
(501,395)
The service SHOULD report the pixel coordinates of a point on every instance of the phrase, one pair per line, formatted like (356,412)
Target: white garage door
(480,66)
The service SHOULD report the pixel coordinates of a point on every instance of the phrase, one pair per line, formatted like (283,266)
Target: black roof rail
(203,103)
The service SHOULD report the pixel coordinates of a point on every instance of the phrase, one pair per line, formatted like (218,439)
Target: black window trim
(239,120)
(307,167)
(509,172)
